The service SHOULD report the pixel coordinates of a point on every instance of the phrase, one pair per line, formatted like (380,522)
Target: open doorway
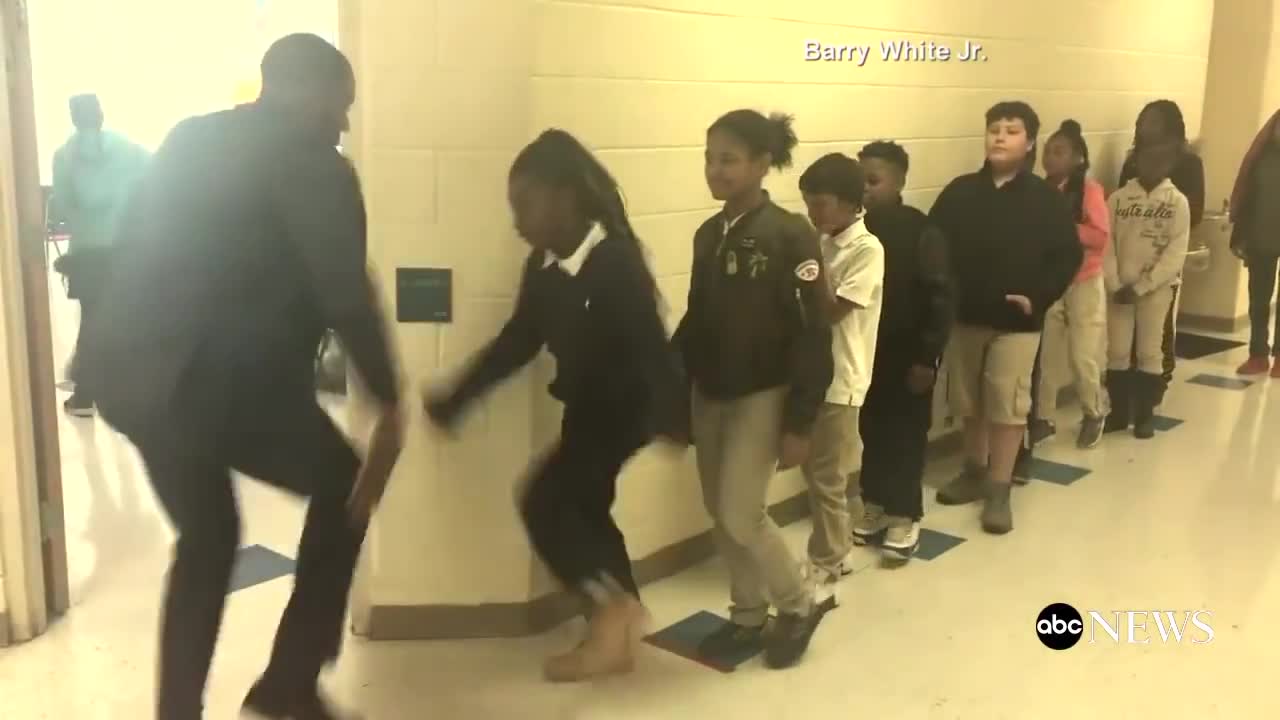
(150,63)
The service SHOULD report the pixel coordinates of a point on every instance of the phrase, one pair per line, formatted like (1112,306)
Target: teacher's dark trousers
(288,441)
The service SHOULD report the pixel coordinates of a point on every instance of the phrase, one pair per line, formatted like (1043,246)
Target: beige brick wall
(452,88)
(443,107)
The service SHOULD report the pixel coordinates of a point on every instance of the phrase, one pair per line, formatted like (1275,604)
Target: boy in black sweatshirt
(1014,251)
(915,323)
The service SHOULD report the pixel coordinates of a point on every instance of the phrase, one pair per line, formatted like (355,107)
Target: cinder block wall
(640,81)
(451,89)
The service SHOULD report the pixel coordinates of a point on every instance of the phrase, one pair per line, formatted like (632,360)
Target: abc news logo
(1060,626)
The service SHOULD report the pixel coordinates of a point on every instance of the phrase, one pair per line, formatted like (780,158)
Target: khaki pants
(832,454)
(1138,329)
(737,444)
(1075,329)
(989,374)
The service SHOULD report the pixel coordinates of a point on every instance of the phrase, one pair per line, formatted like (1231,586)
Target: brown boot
(610,646)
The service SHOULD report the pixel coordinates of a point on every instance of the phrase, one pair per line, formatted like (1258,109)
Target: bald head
(306,76)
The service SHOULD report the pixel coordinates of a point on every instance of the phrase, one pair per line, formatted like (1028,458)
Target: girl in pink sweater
(1076,326)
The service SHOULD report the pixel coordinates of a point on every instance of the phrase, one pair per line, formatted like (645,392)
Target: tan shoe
(610,648)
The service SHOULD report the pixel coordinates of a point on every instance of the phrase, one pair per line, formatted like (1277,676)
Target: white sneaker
(824,581)
(901,539)
(871,523)
(826,596)
(812,570)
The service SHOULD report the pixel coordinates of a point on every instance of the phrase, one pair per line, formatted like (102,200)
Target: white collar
(849,234)
(572,265)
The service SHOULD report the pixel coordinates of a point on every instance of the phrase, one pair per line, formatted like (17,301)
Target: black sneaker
(79,406)
(1022,466)
(1116,423)
(1144,428)
(790,638)
(1041,430)
(1090,433)
(263,704)
(731,640)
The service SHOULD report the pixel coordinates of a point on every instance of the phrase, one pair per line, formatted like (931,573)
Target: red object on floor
(1255,366)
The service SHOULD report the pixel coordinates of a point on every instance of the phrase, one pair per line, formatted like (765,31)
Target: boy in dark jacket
(1013,252)
(915,323)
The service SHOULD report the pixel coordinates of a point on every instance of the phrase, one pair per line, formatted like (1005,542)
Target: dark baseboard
(4,629)
(500,620)
(1213,324)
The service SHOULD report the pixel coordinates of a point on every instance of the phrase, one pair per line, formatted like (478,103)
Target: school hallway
(1188,521)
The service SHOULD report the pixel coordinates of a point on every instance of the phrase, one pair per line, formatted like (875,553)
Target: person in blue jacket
(94,173)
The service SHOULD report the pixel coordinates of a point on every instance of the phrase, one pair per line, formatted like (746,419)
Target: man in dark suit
(244,243)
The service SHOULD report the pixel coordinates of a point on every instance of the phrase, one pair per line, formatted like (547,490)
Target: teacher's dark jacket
(244,242)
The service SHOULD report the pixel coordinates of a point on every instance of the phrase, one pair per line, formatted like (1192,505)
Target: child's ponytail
(773,134)
(784,139)
(1071,131)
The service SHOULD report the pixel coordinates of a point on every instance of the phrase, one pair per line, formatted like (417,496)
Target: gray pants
(832,455)
(737,445)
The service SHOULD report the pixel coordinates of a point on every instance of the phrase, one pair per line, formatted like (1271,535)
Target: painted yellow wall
(640,80)
(443,108)
(450,90)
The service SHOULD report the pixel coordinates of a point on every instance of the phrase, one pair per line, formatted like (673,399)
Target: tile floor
(1187,521)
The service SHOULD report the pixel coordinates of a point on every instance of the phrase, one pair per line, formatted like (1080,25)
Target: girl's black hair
(1072,133)
(773,134)
(1170,114)
(888,151)
(1018,110)
(558,159)
(835,174)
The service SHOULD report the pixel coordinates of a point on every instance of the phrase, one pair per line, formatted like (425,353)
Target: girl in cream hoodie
(1150,226)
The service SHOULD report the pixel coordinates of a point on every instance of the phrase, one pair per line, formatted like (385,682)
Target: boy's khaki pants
(833,452)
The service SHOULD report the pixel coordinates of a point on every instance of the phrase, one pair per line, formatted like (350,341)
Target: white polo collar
(572,265)
(850,234)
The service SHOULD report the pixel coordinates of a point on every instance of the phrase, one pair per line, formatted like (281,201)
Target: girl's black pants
(567,504)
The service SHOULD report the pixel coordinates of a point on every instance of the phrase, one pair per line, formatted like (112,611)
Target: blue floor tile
(1218,381)
(1193,347)
(1056,473)
(684,637)
(1164,424)
(256,565)
(934,543)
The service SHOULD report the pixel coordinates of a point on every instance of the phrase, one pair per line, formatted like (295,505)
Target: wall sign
(424,295)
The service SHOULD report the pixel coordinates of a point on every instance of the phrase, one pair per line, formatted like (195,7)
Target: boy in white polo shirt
(832,189)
